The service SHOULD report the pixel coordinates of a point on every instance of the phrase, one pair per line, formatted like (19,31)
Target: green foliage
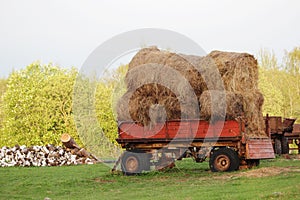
(85,117)
(280,84)
(104,110)
(108,91)
(3,83)
(292,66)
(268,59)
(38,106)
(273,103)
(41,103)
(94,101)
(2,91)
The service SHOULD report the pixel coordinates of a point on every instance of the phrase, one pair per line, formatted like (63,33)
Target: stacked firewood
(48,155)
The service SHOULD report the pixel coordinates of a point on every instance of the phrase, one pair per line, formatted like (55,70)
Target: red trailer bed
(224,142)
(188,130)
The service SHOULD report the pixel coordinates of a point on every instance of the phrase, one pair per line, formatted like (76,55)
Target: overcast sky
(66,32)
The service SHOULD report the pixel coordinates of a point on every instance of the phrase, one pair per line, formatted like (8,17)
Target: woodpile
(48,155)
(149,100)
(38,156)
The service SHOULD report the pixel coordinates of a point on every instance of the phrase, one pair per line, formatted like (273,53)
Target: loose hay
(152,103)
(161,61)
(218,105)
(259,172)
(159,84)
(239,71)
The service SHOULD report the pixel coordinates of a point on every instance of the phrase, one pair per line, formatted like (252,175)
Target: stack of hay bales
(157,88)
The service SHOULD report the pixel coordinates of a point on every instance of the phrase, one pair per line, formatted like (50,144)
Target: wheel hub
(222,162)
(132,164)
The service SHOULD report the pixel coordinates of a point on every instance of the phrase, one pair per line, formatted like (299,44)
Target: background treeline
(36,102)
(37,107)
(280,83)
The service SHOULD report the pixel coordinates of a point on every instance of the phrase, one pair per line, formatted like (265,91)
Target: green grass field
(274,179)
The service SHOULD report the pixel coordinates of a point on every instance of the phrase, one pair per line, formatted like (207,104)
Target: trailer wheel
(134,163)
(277,146)
(284,145)
(224,159)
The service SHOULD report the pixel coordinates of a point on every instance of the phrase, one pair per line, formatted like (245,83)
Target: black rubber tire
(253,163)
(257,162)
(224,159)
(145,157)
(277,146)
(284,145)
(135,163)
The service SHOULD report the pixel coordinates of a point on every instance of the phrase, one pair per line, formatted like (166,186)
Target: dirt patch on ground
(264,172)
(100,180)
(261,172)
(289,156)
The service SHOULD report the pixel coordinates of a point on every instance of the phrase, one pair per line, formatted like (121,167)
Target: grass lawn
(274,179)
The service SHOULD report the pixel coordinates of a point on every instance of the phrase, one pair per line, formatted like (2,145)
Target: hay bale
(253,114)
(239,71)
(148,55)
(219,105)
(152,103)
(157,113)
(157,87)
(122,108)
(139,69)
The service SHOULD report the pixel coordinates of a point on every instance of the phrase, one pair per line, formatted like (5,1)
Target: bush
(37,106)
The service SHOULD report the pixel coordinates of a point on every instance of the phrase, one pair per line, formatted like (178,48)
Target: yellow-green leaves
(37,105)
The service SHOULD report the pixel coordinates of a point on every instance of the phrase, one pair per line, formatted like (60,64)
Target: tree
(38,106)
(280,84)
(273,98)
(94,101)
(2,91)
(268,60)
(109,90)
(269,80)
(292,60)
(292,68)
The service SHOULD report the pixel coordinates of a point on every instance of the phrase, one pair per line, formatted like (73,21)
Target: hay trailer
(223,142)
(283,133)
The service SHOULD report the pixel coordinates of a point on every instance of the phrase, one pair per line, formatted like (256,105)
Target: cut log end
(68,141)
(65,137)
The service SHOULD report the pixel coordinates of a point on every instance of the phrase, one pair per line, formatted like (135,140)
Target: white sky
(66,32)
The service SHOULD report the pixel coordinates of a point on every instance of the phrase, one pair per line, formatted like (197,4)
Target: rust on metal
(259,149)
(275,124)
(222,162)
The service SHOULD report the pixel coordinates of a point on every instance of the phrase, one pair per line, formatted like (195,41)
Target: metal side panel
(259,149)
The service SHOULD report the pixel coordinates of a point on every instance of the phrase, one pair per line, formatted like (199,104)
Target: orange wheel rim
(132,164)
(222,162)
